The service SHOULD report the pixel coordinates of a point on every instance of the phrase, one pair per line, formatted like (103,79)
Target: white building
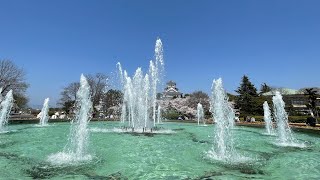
(171,91)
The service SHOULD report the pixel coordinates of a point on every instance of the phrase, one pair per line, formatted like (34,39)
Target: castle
(171,91)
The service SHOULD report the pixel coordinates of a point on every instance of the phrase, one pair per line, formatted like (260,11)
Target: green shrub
(50,113)
(298,119)
(171,115)
(259,118)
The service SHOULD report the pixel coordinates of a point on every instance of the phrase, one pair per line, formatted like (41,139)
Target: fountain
(44,117)
(140,93)
(223,115)
(267,119)
(159,115)
(285,135)
(5,106)
(156,71)
(200,114)
(76,149)
(136,100)
(122,156)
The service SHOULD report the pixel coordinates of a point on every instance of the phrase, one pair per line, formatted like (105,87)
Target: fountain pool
(181,155)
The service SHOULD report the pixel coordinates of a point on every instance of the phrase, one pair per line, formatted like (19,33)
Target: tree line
(102,98)
(248,99)
(14,77)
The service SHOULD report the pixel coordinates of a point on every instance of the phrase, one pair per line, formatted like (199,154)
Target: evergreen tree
(246,98)
(246,87)
(265,88)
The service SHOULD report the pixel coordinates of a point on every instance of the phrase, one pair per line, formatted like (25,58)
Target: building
(171,91)
(296,101)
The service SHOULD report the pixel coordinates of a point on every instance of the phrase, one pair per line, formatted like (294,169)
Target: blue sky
(277,42)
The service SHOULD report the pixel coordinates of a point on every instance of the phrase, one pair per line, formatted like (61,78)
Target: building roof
(171,90)
(287,91)
(283,91)
(171,83)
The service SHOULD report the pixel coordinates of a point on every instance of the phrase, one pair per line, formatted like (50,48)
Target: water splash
(154,75)
(285,135)
(200,114)
(140,93)
(157,74)
(76,151)
(146,99)
(125,130)
(223,115)
(44,117)
(158,52)
(6,106)
(136,100)
(268,119)
(159,116)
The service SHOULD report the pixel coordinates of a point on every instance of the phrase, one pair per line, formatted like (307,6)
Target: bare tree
(68,96)
(13,77)
(113,98)
(69,93)
(199,97)
(112,102)
(98,84)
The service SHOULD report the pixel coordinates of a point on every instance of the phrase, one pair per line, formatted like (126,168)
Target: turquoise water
(180,155)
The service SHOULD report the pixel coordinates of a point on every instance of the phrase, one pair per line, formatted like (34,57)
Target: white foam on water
(291,144)
(62,158)
(230,159)
(39,125)
(129,130)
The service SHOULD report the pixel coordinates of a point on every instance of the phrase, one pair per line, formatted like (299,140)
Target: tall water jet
(200,114)
(146,100)
(77,148)
(123,113)
(136,100)
(285,135)
(6,106)
(268,119)
(1,97)
(156,71)
(125,95)
(154,80)
(44,116)
(159,114)
(223,116)
(140,93)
